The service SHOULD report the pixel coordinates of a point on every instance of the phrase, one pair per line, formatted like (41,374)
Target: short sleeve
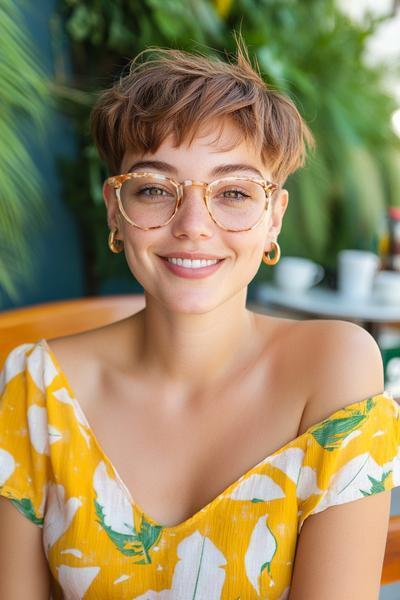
(352,454)
(24,439)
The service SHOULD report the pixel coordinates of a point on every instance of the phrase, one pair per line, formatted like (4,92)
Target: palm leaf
(23,99)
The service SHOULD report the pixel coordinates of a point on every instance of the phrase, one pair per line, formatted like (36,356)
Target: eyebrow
(220,170)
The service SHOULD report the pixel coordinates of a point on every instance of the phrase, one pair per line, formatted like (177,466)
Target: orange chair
(66,317)
(391,562)
(56,319)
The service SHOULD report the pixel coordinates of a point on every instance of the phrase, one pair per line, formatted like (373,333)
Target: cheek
(136,244)
(250,247)
(139,242)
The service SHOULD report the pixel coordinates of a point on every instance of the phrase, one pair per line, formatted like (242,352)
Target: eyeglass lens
(234,204)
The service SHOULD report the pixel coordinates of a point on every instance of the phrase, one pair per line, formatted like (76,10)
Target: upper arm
(23,566)
(340,550)
(24,474)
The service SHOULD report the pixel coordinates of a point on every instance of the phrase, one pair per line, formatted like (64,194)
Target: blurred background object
(40,255)
(24,98)
(58,319)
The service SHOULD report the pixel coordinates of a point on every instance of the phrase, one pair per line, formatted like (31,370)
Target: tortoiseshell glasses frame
(116,182)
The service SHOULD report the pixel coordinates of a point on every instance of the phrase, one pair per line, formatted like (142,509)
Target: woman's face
(192,229)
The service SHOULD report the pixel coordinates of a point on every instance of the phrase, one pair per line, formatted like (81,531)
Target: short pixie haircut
(177,92)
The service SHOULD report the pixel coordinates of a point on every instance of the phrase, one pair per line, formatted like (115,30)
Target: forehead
(214,143)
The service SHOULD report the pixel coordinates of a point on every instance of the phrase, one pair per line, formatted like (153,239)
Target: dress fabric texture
(100,544)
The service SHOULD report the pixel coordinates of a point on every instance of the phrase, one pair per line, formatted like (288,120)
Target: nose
(192,219)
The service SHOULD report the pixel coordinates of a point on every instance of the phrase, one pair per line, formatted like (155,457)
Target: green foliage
(22,98)
(310,51)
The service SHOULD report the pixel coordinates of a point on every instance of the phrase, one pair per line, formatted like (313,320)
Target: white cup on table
(295,273)
(356,273)
(386,288)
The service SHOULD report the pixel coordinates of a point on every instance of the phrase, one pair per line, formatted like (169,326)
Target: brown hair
(177,92)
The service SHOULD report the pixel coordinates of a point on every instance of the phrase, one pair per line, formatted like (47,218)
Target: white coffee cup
(356,272)
(295,273)
(386,287)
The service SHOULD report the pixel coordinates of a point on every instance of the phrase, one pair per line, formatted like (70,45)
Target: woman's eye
(235,194)
(152,190)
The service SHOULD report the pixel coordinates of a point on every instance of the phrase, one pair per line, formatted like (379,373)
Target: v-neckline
(225,493)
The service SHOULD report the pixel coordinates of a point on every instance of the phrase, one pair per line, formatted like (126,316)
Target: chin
(190,307)
(190,304)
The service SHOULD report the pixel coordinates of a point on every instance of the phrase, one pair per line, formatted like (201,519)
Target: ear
(113,215)
(279,206)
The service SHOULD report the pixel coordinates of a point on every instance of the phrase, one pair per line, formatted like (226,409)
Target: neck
(193,350)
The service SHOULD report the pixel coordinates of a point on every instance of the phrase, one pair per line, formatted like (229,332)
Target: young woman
(191,450)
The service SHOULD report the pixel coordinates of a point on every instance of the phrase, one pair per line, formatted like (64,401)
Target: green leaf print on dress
(136,543)
(351,481)
(116,517)
(25,506)
(198,575)
(378,485)
(331,432)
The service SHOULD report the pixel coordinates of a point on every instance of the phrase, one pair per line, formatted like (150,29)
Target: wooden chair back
(66,317)
(391,562)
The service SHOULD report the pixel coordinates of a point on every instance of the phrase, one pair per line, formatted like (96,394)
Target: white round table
(323,302)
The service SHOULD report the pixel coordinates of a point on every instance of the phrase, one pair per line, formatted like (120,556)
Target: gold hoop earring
(115,246)
(272,261)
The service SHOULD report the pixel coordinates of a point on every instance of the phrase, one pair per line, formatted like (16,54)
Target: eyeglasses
(151,200)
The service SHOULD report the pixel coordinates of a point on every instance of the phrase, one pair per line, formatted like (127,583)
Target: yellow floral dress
(100,544)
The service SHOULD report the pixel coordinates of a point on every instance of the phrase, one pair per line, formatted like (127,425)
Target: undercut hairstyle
(178,92)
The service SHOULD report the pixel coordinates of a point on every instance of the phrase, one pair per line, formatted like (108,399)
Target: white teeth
(192,264)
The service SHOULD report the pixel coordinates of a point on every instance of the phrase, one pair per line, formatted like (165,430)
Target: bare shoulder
(94,344)
(74,350)
(84,357)
(345,367)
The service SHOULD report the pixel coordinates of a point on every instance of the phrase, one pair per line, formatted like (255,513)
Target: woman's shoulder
(335,362)
(347,359)
(345,367)
(327,345)
(94,346)
(330,330)
(87,359)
